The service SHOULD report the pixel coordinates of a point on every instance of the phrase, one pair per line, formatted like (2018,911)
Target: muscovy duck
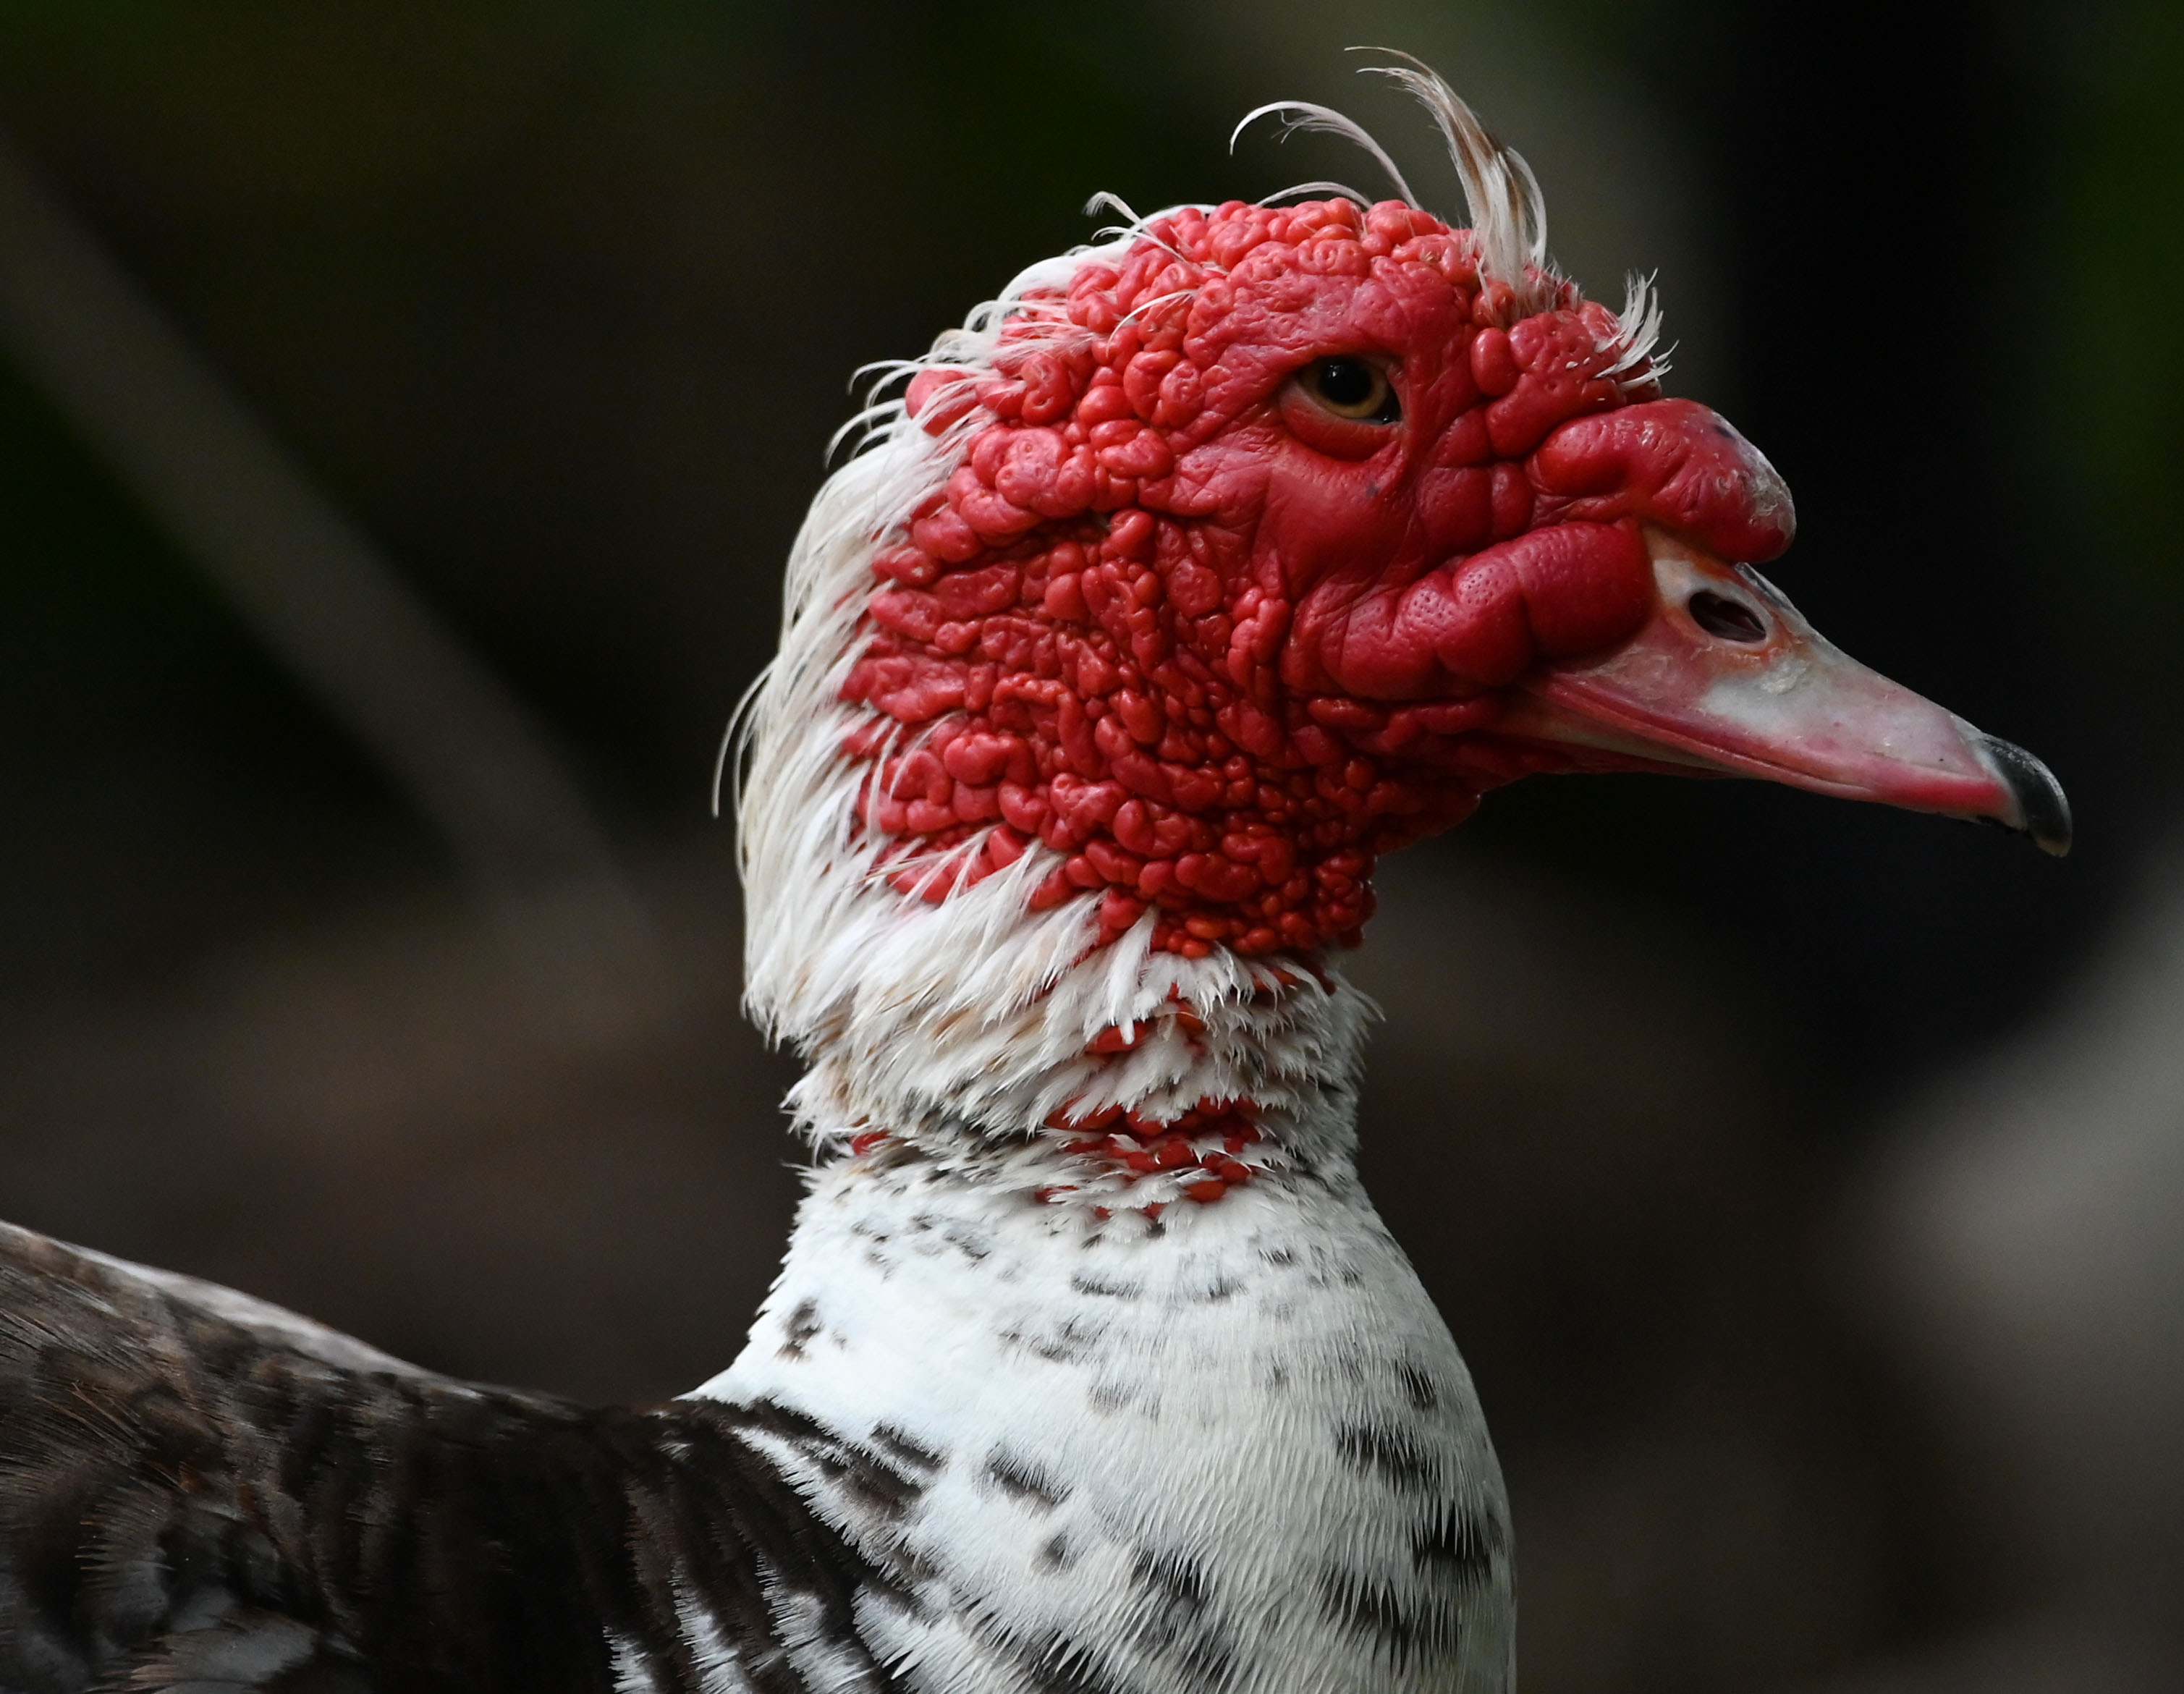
(1205,563)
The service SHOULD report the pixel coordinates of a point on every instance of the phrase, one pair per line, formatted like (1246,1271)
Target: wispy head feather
(1641,359)
(1508,214)
(1303,117)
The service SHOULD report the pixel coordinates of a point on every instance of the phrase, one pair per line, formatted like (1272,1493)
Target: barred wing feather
(201,1492)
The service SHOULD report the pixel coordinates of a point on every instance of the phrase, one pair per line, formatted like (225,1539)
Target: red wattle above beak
(1725,678)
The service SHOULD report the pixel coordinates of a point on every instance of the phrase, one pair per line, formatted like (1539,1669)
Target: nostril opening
(1730,620)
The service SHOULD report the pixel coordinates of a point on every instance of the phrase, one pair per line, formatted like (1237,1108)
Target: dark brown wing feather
(198,1491)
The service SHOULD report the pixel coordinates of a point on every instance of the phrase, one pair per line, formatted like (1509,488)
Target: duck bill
(1725,678)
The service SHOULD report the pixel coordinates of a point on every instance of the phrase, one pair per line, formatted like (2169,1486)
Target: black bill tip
(2042,812)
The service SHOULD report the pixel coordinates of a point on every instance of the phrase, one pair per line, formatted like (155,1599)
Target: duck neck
(1130,1079)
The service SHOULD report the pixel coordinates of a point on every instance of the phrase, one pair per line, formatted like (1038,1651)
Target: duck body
(974,1442)
(1232,1446)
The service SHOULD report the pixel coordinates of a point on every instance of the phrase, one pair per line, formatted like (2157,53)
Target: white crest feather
(1641,323)
(1508,214)
(1304,117)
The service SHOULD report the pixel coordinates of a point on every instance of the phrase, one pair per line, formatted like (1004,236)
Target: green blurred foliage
(2102,310)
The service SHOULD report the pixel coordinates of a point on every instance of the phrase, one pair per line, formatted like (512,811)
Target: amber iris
(1354,388)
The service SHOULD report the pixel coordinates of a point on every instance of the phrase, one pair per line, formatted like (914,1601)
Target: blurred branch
(441,729)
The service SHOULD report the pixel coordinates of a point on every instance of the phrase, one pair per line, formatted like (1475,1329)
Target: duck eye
(1355,388)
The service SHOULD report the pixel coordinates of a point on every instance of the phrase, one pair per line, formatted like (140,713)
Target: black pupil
(1346,381)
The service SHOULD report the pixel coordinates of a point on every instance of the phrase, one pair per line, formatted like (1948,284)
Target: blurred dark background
(1803,1181)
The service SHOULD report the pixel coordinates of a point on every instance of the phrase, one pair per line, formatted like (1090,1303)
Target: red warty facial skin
(1179,619)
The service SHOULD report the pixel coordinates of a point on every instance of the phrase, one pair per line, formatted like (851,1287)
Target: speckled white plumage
(1231,1446)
